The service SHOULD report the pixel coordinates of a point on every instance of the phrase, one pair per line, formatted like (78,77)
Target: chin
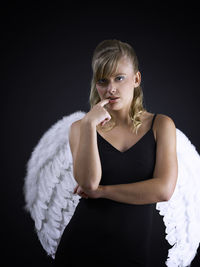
(115,106)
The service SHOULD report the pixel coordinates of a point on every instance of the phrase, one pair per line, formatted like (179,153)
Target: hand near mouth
(98,114)
(112,97)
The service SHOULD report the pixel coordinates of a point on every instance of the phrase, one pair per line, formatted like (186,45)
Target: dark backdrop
(46,75)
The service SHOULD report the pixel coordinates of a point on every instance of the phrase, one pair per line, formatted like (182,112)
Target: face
(119,88)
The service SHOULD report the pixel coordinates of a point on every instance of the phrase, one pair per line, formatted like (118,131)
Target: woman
(124,161)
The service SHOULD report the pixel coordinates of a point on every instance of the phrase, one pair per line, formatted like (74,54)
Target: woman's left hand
(98,193)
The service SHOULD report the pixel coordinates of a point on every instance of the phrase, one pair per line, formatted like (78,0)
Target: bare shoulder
(164,125)
(74,130)
(163,120)
(74,135)
(76,125)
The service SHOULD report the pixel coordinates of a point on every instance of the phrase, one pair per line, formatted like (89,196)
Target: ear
(137,80)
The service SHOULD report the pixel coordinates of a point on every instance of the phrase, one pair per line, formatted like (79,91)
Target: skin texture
(121,84)
(83,141)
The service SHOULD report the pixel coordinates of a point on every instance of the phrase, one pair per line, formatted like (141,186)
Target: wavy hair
(104,64)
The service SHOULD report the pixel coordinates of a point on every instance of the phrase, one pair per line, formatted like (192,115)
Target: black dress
(104,232)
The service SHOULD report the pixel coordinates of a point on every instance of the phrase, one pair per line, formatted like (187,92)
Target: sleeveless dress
(104,232)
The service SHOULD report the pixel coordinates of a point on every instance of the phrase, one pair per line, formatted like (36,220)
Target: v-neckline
(122,152)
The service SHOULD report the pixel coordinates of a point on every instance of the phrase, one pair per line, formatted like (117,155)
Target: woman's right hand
(98,114)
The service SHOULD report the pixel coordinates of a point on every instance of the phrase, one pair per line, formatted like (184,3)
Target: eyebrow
(117,74)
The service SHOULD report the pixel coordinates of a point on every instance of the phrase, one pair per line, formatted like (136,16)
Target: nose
(111,88)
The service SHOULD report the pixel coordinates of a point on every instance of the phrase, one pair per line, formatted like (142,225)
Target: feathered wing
(49,183)
(182,213)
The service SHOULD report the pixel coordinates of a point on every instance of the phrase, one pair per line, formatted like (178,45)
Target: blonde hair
(104,63)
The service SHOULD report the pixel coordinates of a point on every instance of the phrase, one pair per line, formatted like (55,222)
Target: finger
(104,122)
(103,102)
(79,190)
(75,189)
(84,195)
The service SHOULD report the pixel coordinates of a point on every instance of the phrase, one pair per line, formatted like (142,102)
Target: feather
(181,212)
(49,185)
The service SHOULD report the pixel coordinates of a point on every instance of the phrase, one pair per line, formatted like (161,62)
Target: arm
(162,185)
(86,161)
(83,144)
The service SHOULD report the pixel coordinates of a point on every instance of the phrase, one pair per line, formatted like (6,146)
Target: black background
(46,71)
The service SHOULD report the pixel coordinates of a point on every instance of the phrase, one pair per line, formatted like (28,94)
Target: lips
(113,98)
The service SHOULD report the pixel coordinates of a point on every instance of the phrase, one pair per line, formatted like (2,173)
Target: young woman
(124,161)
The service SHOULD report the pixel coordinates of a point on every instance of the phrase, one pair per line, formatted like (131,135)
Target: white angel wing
(182,213)
(49,184)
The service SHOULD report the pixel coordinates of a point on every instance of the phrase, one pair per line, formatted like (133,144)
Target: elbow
(88,188)
(167,197)
(167,193)
(167,187)
(87,185)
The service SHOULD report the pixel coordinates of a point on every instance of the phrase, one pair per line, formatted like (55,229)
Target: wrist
(88,123)
(103,190)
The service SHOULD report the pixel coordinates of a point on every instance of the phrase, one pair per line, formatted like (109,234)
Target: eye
(102,81)
(120,78)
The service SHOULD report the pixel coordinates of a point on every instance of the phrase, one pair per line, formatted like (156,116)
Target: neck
(121,117)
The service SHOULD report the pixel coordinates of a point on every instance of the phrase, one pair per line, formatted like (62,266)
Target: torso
(121,233)
(122,138)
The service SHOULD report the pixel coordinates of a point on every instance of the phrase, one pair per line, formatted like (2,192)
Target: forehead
(124,65)
(111,67)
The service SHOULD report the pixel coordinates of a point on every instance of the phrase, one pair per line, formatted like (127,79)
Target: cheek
(126,90)
(100,91)
(127,93)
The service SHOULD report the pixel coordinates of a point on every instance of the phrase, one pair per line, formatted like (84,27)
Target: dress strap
(153,120)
